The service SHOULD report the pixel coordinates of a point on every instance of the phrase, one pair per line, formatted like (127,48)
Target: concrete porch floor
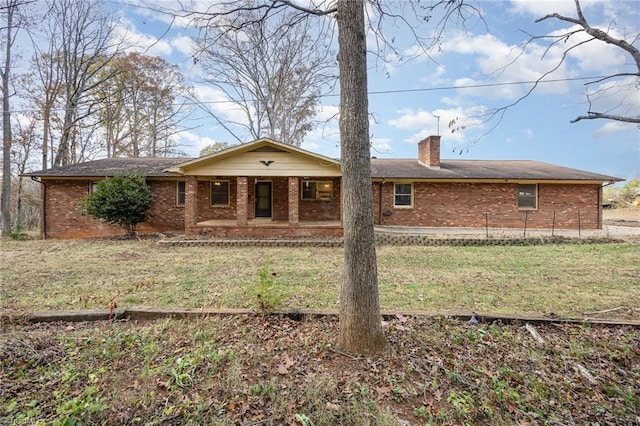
(268,223)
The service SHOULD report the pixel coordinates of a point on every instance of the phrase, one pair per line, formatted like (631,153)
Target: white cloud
(539,9)
(216,100)
(610,128)
(183,44)
(194,142)
(456,122)
(380,146)
(502,63)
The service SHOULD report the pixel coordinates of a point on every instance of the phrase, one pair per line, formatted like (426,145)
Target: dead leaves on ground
(272,370)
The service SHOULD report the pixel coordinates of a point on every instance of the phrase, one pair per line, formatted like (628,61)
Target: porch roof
(262,157)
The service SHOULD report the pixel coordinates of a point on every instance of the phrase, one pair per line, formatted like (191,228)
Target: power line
(388,92)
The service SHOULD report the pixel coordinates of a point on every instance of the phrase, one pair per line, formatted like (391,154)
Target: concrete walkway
(612,231)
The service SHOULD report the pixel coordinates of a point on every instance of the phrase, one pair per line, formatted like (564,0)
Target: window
(180,193)
(402,195)
(93,185)
(527,196)
(220,193)
(317,190)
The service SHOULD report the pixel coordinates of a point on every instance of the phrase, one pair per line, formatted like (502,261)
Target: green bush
(121,200)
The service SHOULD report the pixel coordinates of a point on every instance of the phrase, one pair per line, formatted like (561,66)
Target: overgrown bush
(121,200)
(627,195)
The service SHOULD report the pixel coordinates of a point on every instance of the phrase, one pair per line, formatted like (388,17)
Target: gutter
(43,206)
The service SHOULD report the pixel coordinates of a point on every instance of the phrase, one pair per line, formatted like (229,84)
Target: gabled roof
(516,170)
(258,145)
(150,167)
(481,170)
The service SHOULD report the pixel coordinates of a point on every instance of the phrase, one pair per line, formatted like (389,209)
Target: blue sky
(438,84)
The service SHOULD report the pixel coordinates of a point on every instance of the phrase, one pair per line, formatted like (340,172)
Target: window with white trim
(403,195)
(316,190)
(181,191)
(220,193)
(93,185)
(527,196)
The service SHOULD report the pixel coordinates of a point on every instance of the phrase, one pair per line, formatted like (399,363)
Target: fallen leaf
(333,407)
(383,390)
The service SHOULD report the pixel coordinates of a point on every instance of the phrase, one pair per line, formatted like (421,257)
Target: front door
(263,199)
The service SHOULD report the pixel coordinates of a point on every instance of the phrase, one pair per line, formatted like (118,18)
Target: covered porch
(266,228)
(263,189)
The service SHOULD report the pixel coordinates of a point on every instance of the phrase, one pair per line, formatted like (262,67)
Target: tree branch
(596,115)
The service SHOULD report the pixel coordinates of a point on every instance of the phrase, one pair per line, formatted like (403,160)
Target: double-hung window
(403,195)
(527,196)
(220,193)
(181,190)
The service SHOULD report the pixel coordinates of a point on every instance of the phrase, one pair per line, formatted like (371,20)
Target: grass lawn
(254,370)
(568,280)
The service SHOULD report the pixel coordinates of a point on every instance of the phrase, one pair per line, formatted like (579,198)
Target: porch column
(191,201)
(242,202)
(294,200)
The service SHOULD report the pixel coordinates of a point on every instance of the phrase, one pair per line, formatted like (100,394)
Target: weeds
(267,294)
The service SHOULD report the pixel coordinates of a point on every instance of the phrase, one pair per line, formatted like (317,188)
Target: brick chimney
(429,152)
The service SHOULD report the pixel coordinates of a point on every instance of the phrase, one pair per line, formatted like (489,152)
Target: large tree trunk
(5,198)
(360,325)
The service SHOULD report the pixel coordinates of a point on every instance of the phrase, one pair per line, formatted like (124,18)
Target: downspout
(600,219)
(380,203)
(43,207)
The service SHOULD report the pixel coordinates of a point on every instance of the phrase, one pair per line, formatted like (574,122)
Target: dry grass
(567,280)
(625,213)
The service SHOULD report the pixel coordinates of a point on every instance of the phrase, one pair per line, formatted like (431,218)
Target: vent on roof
(267,149)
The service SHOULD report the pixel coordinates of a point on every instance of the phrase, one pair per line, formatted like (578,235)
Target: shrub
(121,200)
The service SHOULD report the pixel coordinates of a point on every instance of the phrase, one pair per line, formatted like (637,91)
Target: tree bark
(360,325)
(5,197)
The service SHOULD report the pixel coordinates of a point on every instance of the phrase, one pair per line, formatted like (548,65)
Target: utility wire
(394,91)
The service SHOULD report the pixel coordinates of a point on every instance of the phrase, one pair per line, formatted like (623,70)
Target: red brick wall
(466,205)
(63,218)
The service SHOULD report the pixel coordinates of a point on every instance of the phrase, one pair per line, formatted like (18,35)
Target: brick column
(242,209)
(294,200)
(191,201)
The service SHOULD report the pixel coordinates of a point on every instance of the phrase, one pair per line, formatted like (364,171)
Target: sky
(477,66)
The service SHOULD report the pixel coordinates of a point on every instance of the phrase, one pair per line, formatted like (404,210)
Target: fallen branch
(534,333)
(605,311)
(586,374)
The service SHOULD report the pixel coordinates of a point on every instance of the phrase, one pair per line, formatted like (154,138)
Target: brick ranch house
(266,189)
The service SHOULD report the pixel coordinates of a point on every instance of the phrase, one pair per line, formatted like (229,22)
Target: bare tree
(11,24)
(271,70)
(360,325)
(604,36)
(86,45)
(620,85)
(24,145)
